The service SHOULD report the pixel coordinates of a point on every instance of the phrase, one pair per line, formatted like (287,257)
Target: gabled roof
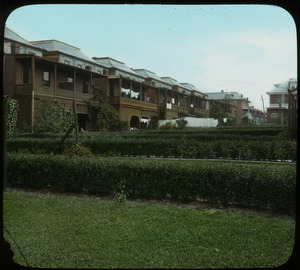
(282,88)
(192,88)
(112,63)
(150,75)
(9,34)
(224,95)
(55,45)
(170,80)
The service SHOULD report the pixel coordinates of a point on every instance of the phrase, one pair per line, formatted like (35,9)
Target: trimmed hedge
(242,183)
(183,147)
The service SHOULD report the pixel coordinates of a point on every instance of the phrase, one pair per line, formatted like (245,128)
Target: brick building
(277,112)
(237,105)
(45,71)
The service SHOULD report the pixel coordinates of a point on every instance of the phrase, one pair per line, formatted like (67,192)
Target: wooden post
(75,121)
(32,96)
(55,79)
(74,84)
(5,110)
(158,96)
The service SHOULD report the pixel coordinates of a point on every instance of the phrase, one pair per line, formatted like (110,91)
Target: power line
(238,82)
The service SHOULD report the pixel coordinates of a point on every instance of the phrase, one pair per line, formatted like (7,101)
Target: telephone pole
(262,99)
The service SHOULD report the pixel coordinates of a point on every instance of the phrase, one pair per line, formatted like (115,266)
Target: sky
(242,48)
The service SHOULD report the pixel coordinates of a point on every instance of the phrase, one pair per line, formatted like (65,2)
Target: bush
(76,150)
(54,119)
(117,125)
(257,184)
(171,145)
(181,123)
(12,117)
(154,122)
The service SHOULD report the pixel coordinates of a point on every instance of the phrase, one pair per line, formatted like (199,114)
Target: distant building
(277,112)
(239,106)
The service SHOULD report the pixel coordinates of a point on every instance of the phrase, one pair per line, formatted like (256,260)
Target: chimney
(222,91)
(241,95)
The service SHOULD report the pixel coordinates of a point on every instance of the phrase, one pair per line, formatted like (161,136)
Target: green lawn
(55,230)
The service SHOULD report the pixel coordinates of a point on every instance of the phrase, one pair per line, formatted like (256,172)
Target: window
(26,74)
(70,77)
(125,88)
(85,86)
(274,115)
(135,93)
(111,88)
(46,78)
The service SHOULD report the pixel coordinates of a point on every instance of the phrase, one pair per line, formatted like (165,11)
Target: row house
(234,104)
(278,110)
(45,71)
(176,99)
(134,99)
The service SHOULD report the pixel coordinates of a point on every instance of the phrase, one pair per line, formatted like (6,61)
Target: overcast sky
(243,48)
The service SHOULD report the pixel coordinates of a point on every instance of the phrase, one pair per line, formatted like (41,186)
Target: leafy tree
(154,122)
(12,117)
(216,112)
(107,117)
(55,118)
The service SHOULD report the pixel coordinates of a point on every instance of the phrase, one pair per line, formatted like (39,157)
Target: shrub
(181,123)
(54,119)
(264,185)
(12,117)
(77,150)
(117,125)
(171,145)
(154,122)
(167,126)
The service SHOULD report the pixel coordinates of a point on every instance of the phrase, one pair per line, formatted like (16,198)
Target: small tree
(107,117)
(12,117)
(216,112)
(154,122)
(55,118)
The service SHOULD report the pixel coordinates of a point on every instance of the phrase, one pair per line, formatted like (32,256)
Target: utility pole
(262,99)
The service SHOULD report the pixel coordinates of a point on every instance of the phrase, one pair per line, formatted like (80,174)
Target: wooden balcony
(138,104)
(23,90)
(49,92)
(197,111)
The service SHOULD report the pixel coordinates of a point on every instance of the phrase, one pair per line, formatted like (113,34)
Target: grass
(56,230)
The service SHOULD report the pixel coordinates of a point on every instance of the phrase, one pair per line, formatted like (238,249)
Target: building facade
(46,71)
(278,110)
(237,105)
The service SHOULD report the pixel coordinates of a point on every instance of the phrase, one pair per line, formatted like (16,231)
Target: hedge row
(242,183)
(201,134)
(168,147)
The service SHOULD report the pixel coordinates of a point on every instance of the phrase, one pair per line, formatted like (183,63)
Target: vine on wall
(107,117)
